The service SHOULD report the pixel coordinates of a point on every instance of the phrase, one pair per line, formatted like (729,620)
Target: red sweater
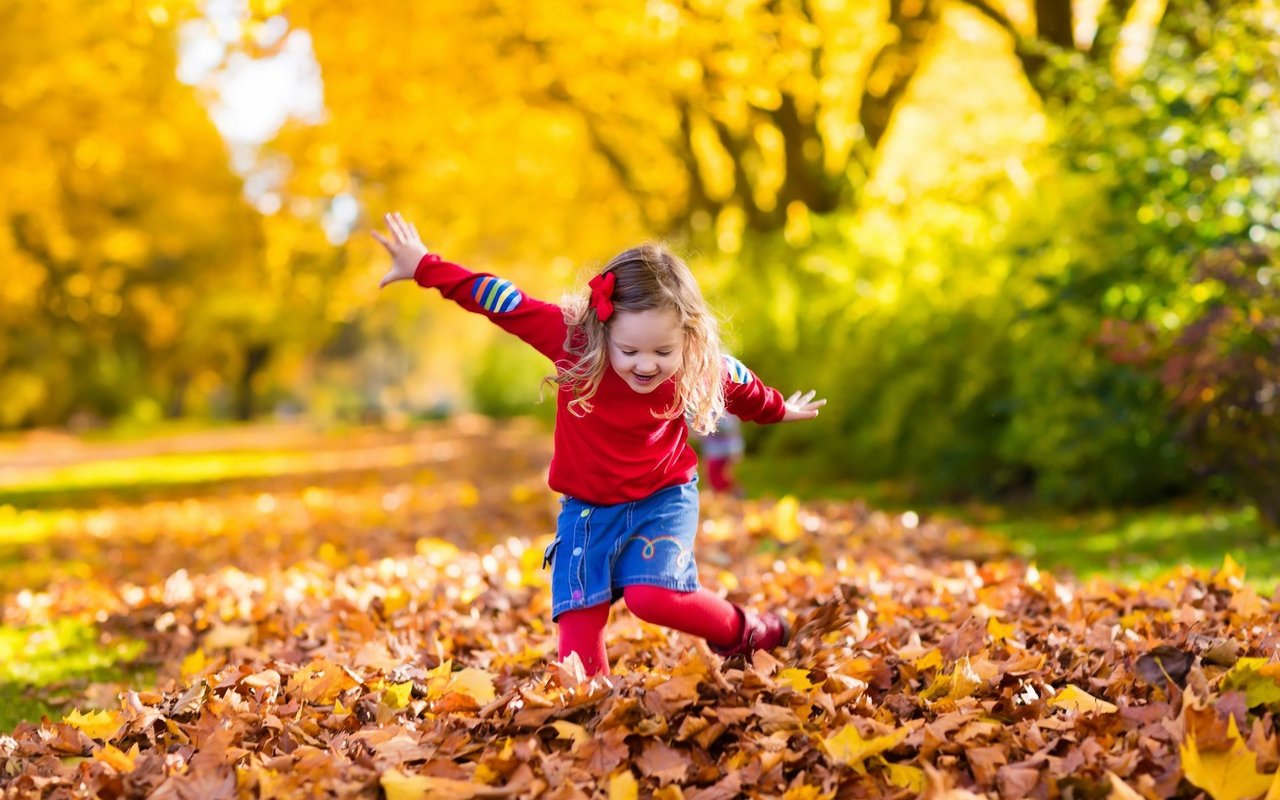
(619,451)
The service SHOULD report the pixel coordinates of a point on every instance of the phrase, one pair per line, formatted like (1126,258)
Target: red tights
(701,613)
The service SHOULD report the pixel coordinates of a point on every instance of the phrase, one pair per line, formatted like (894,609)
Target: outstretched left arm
(748,397)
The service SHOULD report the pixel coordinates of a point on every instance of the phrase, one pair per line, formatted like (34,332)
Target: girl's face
(646,348)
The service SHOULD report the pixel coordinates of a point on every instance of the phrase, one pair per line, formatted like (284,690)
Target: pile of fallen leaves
(923,663)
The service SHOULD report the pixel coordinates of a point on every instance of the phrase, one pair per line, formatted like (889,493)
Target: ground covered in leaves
(379,626)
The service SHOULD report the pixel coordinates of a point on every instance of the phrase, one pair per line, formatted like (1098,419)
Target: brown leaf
(727,788)
(191,701)
(664,763)
(604,752)
(674,694)
(1164,663)
(1015,782)
(984,761)
(968,639)
(773,718)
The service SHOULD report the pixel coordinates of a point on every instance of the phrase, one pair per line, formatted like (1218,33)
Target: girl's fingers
(406,228)
(396,224)
(382,240)
(414,230)
(808,396)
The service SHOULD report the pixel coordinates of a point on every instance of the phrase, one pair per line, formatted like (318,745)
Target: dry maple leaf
(1229,775)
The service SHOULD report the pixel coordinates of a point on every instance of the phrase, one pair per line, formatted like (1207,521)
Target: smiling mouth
(644,378)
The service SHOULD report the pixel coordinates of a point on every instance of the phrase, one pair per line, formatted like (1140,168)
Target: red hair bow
(602,294)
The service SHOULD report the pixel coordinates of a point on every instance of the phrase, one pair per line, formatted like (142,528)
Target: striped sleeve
(747,397)
(538,323)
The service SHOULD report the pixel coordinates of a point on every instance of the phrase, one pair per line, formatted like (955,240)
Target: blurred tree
(120,213)
(709,117)
(1180,159)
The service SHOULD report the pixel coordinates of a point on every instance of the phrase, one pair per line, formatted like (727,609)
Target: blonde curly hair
(649,277)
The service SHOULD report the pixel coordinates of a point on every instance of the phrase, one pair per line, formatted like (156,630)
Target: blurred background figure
(721,449)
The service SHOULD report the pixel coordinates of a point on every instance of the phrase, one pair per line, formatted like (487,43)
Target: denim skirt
(598,550)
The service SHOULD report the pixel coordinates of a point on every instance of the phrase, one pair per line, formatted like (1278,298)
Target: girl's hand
(405,246)
(802,407)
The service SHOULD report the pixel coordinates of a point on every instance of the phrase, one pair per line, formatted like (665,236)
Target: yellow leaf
(437,551)
(339,710)
(570,730)
(1230,575)
(905,776)
(797,679)
(1076,699)
(964,680)
(727,580)
(400,786)
(848,746)
(998,631)
(475,683)
(194,665)
(786,525)
(1232,775)
(99,725)
(486,774)
(929,660)
(438,680)
(115,758)
(623,786)
(397,694)
(396,600)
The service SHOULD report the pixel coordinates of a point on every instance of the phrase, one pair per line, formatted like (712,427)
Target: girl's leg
(701,613)
(582,632)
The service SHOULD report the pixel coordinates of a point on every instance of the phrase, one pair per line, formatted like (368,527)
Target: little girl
(632,359)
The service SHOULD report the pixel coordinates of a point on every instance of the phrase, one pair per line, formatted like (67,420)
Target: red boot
(759,632)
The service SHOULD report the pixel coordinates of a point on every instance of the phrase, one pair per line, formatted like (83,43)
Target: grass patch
(89,483)
(1140,544)
(46,669)
(1122,544)
(121,477)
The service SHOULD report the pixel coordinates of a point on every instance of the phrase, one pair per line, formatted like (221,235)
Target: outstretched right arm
(540,324)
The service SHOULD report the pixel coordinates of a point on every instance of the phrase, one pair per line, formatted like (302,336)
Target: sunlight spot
(910,520)
(391,501)
(265,504)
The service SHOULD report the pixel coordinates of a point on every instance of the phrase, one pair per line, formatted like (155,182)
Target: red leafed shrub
(1221,370)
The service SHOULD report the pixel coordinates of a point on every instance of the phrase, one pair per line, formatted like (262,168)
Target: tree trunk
(895,65)
(255,358)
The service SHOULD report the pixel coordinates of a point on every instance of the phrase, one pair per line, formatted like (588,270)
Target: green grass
(1122,544)
(129,479)
(122,477)
(45,669)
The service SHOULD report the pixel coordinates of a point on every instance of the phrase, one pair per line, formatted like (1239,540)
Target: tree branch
(992,13)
